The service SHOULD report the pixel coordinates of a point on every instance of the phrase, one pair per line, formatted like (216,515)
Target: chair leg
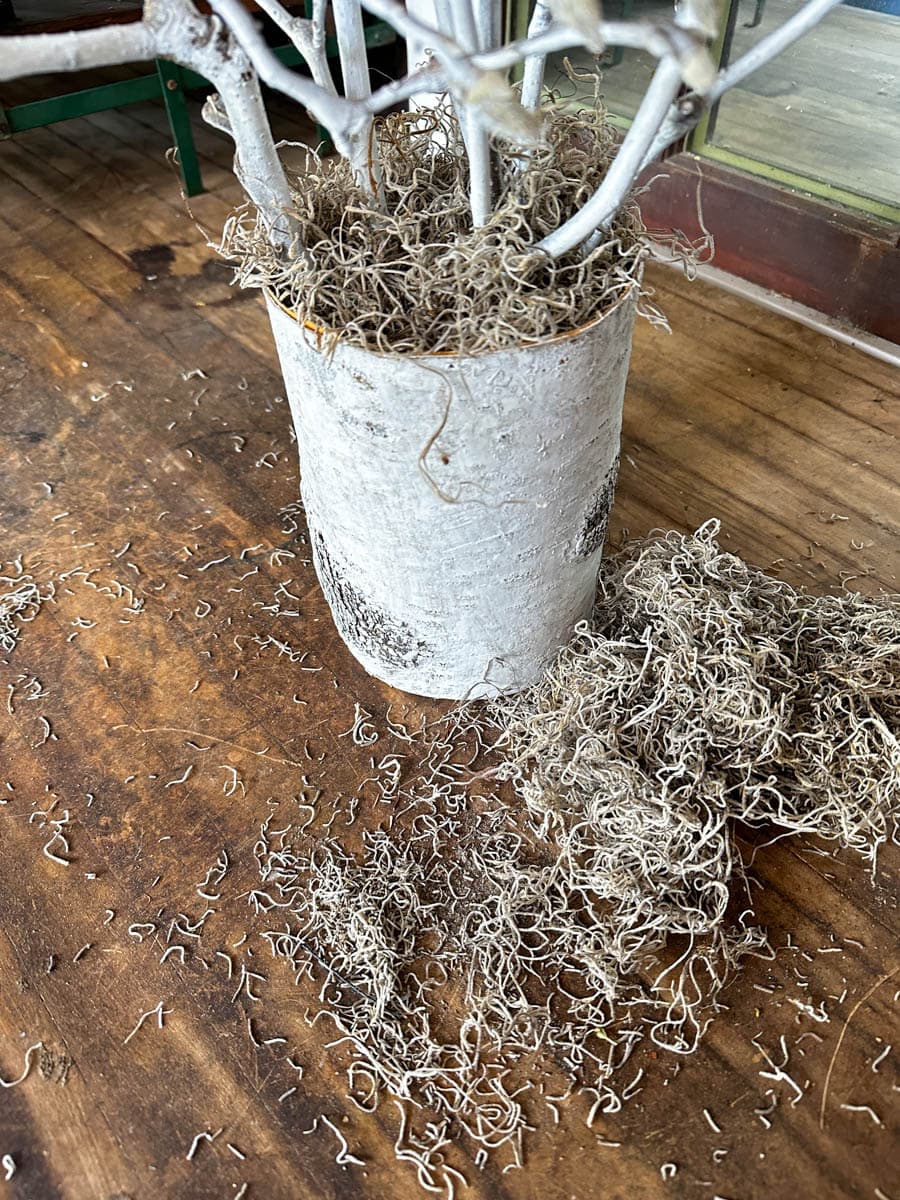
(724,59)
(172,85)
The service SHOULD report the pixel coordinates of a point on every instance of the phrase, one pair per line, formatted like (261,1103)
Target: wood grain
(171,483)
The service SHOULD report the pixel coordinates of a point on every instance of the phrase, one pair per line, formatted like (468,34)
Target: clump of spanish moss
(412,276)
(20,601)
(715,681)
(562,880)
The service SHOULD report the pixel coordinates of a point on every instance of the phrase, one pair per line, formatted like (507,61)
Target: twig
(159,1012)
(11,1083)
(204,1136)
(853,1011)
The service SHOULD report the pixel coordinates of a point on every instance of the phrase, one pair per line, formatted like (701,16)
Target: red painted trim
(842,263)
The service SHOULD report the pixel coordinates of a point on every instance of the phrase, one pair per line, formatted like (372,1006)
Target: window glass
(624,73)
(827,108)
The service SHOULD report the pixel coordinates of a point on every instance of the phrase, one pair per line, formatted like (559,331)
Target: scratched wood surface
(157,492)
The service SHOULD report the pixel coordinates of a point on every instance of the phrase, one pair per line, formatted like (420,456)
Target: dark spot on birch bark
(592,534)
(359,621)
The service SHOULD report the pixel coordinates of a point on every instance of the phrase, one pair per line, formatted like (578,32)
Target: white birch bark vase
(457,505)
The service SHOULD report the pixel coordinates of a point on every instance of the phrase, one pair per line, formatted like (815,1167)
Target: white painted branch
(464,73)
(443,12)
(419,58)
(39,54)
(485,92)
(308,37)
(341,117)
(640,35)
(454,67)
(465,29)
(348,121)
(686,112)
(203,45)
(584,16)
(215,116)
(281,224)
(533,74)
(258,167)
(408,24)
(454,62)
(355,71)
(453,48)
(606,201)
(428,78)
(320,12)
(476,138)
(351,38)
(459,70)
(487,23)
(478,152)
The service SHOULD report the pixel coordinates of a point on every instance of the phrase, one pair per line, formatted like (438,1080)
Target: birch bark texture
(457,505)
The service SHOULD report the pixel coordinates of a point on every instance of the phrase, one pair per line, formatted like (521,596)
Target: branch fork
(467,61)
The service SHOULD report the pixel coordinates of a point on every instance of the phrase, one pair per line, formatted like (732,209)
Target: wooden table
(146,453)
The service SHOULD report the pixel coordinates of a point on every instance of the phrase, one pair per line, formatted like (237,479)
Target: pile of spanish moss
(413,276)
(494,946)
(718,683)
